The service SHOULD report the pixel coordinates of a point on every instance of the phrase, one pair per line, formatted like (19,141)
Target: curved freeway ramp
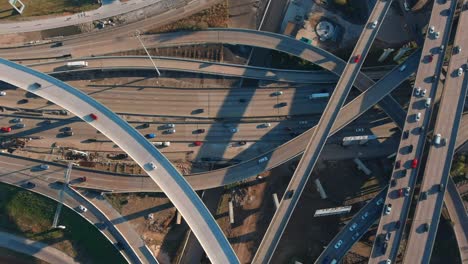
(141,150)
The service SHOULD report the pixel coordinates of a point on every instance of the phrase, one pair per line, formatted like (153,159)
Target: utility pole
(137,35)
(60,200)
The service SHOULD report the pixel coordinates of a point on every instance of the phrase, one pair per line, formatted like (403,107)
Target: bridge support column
(320,189)
(275,201)
(362,167)
(400,53)
(231,213)
(385,54)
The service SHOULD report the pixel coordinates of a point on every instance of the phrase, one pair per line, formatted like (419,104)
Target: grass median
(30,215)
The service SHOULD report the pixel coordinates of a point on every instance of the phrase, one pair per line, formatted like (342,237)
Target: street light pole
(137,35)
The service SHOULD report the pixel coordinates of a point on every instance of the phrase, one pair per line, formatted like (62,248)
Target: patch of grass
(459,167)
(281,60)
(30,215)
(215,17)
(117,200)
(46,7)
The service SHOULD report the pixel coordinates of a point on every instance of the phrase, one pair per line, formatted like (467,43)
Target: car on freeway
(431,30)
(417,117)
(93,116)
(198,111)
(423,92)
(402,67)
(423,195)
(277,93)
(398,164)
(380,201)
(406,134)
(170,131)
(397,224)
(388,209)
(414,163)
(44,167)
(457,49)
(289,194)
(82,179)
(410,148)
(407,191)
(441,187)
(5,129)
(426,227)
(421,129)
(400,192)
(145,125)
(417,91)
(67,129)
(353,226)
(388,236)
(242,143)
(404,173)
(82,208)
(430,58)
(170,125)
(29,185)
(150,135)
(266,125)
(242,100)
(441,48)
(374,24)
(393,183)
(261,160)
(282,104)
(200,131)
(459,71)
(233,130)
(35,85)
(355,236)
(2,93)
(427,103)
(68,133)
(151,165)
(23,101)
(357,58)
(17,120)
(57,44)
(198,143)
(437,34)
(388,261)
(365,215)
(338,244)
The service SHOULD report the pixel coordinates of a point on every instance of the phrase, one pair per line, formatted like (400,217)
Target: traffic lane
(197,103)
(168,178)
(193,66)
(317,141)
(422,80)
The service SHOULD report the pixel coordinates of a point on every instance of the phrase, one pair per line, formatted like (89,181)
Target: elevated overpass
(140,149)
(315,145)
(439,161)
(410,150)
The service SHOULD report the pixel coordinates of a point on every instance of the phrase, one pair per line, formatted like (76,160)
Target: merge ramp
(400,206)
(439,161)
(138,147)
(316,143)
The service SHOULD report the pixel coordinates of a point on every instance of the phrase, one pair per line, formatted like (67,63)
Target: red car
(6,129)
(93,116)
(414,164)
(198,143)
(357,58)
(400,193)
(82,179)
(398,164)
(430,58)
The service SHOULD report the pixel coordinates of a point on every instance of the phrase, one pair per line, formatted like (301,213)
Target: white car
(170,125)
(418,117)
(417,91)
(431,30)
(459,72)
(437,34)
(82,208)
(263,160)
(457,49)
(338,244)
(2,93)
(388,261)
(423,92)
(374,24)
(352,227)
(380,201)
(266,125)
(402,67)
(171,131)
(388,209)
(151,165)
(44,167)
(234,130)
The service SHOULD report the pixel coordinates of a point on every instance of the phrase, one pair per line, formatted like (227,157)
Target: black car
(410,148)
(29,185)
(426,227)
(68,133)
(282,104)
(145,125)
(56,44)
(242,100)
(406,134)
(393,183)
(404,173)
(121,156)
(198,111)
(200,131)
(397,224)
(423,195)
(23,101)
(289,194)
(67,129)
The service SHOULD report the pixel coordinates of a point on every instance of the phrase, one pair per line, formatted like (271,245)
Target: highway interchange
(372,94)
